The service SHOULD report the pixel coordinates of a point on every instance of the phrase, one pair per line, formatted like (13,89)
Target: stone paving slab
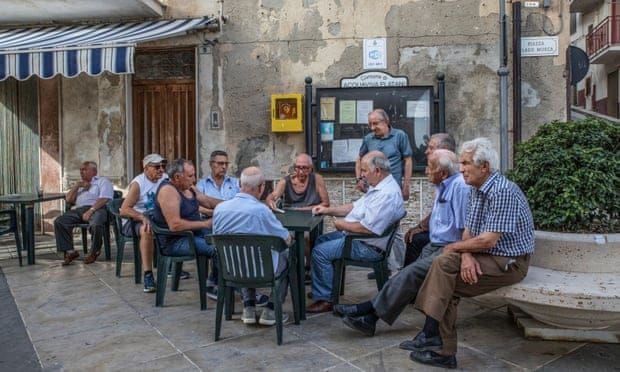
(82,317)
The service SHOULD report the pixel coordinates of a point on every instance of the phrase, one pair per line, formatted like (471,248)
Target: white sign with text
(539,46)
(375,51)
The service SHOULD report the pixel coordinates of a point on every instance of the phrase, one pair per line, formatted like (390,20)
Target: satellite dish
(579,64)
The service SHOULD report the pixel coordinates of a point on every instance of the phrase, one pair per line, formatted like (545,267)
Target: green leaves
(570,173)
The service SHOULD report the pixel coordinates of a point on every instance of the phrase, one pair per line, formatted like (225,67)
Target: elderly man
(245,214)
(90,196)
(176,208)
(418,236)
(394,143)
(141,199)
(379,208)
(446,226)
(303,189)
(497,243)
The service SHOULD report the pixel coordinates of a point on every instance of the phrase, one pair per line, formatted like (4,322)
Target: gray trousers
(250,293)
(396,260)
(64,225)
(403,287)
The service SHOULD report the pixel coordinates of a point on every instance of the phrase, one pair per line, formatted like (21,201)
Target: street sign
(532,4)
(539,46)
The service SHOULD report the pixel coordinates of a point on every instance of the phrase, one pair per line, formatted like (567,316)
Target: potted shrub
(570,173)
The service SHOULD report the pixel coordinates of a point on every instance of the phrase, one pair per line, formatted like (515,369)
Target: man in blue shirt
(245,214)
(446,225)
(497,243)
(218,185)
(394,143)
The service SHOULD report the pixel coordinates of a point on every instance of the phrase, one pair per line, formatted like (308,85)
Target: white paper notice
(363,109)
(417,109)
(345,151)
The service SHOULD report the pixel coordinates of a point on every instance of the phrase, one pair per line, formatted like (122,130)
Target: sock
(365,307)
(148,272)
(431,327)
(270,305)
(249,303)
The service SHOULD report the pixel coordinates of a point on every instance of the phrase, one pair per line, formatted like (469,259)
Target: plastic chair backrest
(246,258)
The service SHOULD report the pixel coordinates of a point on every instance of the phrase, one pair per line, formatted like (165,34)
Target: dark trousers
(418,242)
(64,225)
(403,287)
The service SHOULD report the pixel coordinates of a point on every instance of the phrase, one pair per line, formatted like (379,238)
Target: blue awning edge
(71,50)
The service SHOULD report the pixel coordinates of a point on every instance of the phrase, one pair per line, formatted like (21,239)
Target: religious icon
(287,109)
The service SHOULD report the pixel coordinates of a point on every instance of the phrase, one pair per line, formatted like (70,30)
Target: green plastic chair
(380,266)
(8,224)
(164,261)
(244,261)
(114,206)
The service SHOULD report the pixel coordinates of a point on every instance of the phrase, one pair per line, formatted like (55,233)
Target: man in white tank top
(140,199)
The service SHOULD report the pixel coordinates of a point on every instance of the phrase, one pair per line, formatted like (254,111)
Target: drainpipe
(503,89)
(308,116)
(516,75)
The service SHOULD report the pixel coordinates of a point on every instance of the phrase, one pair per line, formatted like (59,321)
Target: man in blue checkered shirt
(497,243)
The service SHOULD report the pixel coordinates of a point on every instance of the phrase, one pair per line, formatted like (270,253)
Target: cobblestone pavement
(82,317)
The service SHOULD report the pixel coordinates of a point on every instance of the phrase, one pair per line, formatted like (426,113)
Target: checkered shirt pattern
(500,206)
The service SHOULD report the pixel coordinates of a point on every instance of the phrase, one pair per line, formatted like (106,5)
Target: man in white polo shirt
(89,196)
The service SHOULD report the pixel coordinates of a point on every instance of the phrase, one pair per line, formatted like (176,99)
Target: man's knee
(448,261)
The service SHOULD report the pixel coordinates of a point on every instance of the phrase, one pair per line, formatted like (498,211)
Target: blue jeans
(181,246)
(328,248)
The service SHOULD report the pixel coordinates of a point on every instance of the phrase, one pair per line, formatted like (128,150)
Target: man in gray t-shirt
(394,143)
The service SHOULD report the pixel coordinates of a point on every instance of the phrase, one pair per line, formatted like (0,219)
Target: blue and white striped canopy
(71,50)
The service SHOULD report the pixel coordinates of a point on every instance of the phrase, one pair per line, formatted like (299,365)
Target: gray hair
(447,161)
(177,166)
(381,112)
(482,152)
(251,178)
(445,141)
(379,161)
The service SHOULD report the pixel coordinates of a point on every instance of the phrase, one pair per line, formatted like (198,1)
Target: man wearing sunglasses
(141,199)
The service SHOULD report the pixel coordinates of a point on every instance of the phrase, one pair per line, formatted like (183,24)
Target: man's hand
(88,214)
(83,184)
(362,186)
(320,209)
(208,223)
(405,191)
(272,204)
(470,269)
(412,231)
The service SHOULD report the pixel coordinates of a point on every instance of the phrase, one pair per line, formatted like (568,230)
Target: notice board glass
(342,115)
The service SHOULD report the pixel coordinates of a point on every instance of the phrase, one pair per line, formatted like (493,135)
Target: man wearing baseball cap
(140,199)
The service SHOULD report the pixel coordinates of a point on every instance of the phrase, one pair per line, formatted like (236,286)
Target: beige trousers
(441,291)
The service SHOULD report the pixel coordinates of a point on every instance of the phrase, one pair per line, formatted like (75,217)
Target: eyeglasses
(220,163)
(303,167)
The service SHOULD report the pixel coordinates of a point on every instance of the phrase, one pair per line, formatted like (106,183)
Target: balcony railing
(604,35)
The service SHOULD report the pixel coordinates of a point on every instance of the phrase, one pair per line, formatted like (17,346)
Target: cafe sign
(539,46)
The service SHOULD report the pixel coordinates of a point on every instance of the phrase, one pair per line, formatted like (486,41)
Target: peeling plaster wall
(269,46)
(93,126)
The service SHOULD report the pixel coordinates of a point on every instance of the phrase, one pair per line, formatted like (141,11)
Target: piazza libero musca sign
(539,46)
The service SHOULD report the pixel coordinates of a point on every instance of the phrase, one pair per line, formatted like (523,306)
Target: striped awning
(71,50)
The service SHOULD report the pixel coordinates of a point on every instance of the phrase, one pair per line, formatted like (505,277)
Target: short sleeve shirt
(449,210)
(100,187)
(500,206)
(228,189)
(395,146)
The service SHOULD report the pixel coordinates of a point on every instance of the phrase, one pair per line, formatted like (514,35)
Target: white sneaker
(249,315)
(268,317)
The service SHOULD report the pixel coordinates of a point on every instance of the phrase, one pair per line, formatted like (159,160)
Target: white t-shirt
(146,201)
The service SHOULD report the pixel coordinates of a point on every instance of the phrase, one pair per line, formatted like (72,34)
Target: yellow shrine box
(286,112)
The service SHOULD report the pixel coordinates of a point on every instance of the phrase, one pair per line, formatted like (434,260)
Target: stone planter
(573,282)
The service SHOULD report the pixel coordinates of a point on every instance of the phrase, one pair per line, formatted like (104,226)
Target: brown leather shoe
(320,307)
(92,257)
(70,257)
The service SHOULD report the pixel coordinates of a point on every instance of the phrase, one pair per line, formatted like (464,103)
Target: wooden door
(164,120)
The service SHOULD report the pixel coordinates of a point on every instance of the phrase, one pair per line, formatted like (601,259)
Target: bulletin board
(342,115)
